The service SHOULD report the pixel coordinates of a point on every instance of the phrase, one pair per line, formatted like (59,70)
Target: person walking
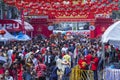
(66,66)
(53,69)
(94,65)
(60,67)
(41,70)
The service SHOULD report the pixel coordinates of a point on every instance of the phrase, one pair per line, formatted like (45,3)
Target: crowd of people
(53,58)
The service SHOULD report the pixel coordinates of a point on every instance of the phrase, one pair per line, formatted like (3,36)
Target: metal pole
(1,10)
(103,54)
(103,57)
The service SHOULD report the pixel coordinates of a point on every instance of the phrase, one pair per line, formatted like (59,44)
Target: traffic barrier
(78,74)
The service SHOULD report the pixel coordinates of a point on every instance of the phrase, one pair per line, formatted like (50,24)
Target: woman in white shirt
(60,67)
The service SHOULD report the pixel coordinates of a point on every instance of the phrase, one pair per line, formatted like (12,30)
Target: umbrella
(2,60)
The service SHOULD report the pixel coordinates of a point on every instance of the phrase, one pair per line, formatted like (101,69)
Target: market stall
(111,36)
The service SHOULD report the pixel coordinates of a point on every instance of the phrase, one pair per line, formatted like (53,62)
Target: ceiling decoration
(58,8)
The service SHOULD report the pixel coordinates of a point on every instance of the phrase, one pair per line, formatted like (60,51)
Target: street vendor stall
(111,36)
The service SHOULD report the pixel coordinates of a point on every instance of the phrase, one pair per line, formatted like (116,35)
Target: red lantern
(74,13)
(42,2)
(25,10)
(19,4)
(40,12)
(107,2)
(99,4)
(45,12)
(116,0)
(89,0)
(60,1)
(10,2)
(32,12)
(80,2)
(103,1)
(48,0)
(2,32)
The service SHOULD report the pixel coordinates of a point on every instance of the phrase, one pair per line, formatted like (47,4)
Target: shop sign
(10,25)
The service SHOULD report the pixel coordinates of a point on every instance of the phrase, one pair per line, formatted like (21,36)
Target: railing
(112,74)
(78,74)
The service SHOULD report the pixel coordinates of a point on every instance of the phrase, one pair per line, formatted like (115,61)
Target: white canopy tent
(112,34)
(7,36)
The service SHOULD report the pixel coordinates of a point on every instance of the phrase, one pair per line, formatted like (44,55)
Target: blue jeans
(65,77)
(95,75)
(100,64)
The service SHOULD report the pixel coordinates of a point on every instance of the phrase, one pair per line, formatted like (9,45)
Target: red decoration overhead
(64,7)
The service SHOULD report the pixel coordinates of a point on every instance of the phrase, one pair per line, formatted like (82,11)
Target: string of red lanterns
(67,7)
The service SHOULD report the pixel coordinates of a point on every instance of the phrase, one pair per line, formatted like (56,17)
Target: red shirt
(20,75)
(88,58)
(2,70)
(43,50)
(81,63)
(13,57)
(118,56)
(39,69)
(95,64)
(24,53)
(19,71)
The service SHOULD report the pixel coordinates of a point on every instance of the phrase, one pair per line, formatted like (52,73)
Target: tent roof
(112,33)
(27,26)
(23,37)
(7,36)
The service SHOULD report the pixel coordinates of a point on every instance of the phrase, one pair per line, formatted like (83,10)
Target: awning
(27,26)
(112,33)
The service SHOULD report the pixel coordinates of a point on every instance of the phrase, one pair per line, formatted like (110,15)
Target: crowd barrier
(112,74)
(78,74)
